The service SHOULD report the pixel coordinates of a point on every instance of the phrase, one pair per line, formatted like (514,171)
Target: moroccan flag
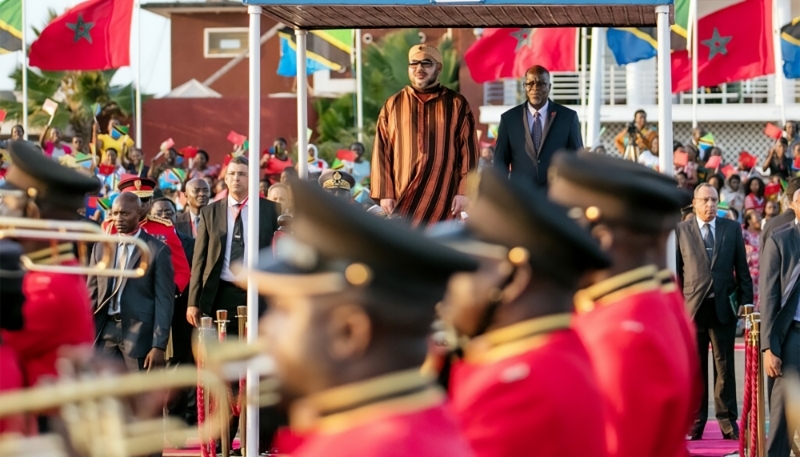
(508,53)
(325,49)
(10,26)
(790,48)
(727,50)
(94,35)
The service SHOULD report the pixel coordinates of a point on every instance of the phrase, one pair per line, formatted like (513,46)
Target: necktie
(708,241)
(237,243)
(194,225)
(122,262)
(537,131)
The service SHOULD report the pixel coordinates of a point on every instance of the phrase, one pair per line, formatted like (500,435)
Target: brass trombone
(97,423)
(20,228)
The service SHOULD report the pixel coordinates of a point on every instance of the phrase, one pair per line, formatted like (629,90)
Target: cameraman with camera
(636,133)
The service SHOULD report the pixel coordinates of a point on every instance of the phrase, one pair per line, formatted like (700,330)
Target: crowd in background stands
(173,168)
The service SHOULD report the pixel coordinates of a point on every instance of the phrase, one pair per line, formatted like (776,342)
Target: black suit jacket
(515,150)
(727,269)
(183,223)
(146,304)
(209,248)
(779,271)
(773,223)
(181,329)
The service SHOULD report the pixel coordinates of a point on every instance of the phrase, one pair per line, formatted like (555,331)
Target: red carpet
(712,444)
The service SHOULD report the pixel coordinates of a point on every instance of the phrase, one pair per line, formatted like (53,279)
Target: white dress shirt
(114,306)
(227,274)
(542,115)
(713,227)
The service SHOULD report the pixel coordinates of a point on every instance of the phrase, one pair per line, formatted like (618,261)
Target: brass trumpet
(74,231)
(97,424)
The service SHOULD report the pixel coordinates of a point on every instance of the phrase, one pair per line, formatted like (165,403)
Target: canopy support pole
(595,87)
(302,104)
(665,110)
(137,12)
(24,72)
(251,244)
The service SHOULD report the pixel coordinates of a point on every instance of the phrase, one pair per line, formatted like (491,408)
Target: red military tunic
(10,379)
(629,328)
(57,313)
(401,414)
(529,389)
(673,293)
(165,232)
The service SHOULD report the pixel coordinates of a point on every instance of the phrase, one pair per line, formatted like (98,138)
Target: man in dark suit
(198,194)
(780,324)
(220,243)
(133,315)
(183,404)
(786,217)
(532,133)
(712,268)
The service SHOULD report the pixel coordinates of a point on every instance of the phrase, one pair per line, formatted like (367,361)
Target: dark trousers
(722,338)
(111,344)
(780,436)
(183,403)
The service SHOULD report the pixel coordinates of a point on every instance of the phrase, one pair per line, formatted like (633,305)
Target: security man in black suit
(532,133)
(712,268)
(780,324)
(786,217)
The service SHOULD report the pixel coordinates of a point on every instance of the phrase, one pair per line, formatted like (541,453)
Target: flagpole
(24,71)
(251,425)
(582,78)
(138,83)
(302,103)
(780,79)
(359,89)
(595,87)
(693,51)
(665,110)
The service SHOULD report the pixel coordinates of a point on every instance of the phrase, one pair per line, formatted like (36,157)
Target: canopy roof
(338,14)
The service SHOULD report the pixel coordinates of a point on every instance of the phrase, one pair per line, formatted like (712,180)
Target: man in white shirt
(133,315)
(780,324)
(220,244)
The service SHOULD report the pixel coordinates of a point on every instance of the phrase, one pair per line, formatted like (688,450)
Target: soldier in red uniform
(525,385)
(156,226)
(353,301)
(11,302)
(627,323)
(56,311)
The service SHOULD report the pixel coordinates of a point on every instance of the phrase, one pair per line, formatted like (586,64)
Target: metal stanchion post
(204,333)
(222,332)
(760,427)
(241,317)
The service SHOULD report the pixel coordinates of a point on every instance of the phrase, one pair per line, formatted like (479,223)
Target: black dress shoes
(734,435)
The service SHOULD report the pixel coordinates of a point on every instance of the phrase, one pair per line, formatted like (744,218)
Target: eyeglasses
(705,200)
(537,84)
(422,63)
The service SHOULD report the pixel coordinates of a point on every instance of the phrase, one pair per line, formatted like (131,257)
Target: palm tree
(385,72)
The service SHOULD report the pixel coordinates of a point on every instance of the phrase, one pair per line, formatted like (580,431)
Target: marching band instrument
(54,231)
(97,423)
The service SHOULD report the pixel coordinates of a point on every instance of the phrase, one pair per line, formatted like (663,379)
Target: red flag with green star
(733,44)
(94,35)
(507,53)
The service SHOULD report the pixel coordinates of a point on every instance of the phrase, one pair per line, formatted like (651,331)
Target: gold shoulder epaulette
(160,220)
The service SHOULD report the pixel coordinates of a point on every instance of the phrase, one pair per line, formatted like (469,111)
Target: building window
(224,42)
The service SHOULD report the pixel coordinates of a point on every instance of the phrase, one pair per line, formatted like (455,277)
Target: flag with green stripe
(10,26)
(680,30)
(324,48)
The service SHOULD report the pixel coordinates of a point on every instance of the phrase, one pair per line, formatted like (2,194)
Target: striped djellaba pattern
(425,145)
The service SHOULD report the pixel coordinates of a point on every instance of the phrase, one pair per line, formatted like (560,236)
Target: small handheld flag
(236,138)
(773,131)
(346,154)
(713,162)
(50,107)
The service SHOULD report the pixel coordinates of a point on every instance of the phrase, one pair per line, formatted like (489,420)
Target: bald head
(537,86)
(125,212)
(198,194)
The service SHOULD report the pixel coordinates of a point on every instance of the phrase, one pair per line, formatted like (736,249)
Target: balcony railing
(567,90)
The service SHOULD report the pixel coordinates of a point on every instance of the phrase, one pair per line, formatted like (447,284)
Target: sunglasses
(423,63)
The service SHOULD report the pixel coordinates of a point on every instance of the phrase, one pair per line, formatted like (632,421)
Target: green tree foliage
(385,72)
